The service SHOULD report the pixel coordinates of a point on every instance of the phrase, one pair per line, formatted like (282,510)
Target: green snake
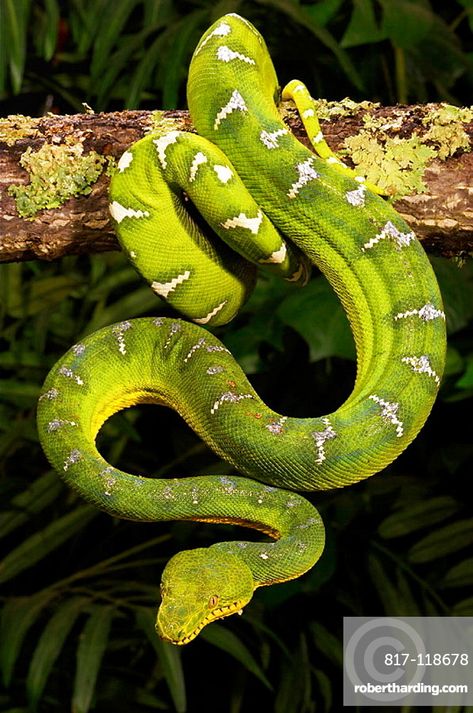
(247,180)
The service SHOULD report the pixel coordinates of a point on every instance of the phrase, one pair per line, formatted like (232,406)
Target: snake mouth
(217,613)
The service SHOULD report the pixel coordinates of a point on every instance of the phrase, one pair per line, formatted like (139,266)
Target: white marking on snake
(125,160)
(277,256)
(74,457)
(277,427)
(391,232)
(229,485)
(58,423)
(318,138)
(199,159)
(110,480)
(164,288)
(220,31)
(218,348)
(168,493)
(223,173)
(50,394)
(236,103)
(118,331)
(270,138)
(78,349)
(119,212)
(334,160)
(162,144)
(357,197)
(425,313)
(228,397)
(215,370)
(308,113)
(264,556)
(225,54)
(66,371)
(212,313)
(306,173)
(421,365)
(321,437)
(194,348)
(299,88)
(389,411)
(175,327)
(242,221)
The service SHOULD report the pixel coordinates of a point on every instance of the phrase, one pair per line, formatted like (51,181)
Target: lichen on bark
(56,173)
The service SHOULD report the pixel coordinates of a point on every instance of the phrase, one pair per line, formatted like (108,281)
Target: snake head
(199,586)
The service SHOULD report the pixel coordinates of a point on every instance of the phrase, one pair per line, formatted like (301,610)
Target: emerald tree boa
(197,214)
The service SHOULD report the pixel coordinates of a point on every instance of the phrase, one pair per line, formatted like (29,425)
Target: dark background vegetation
(80,589)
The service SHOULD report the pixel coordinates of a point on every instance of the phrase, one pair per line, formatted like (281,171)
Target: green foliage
(132,52)
(49,646)
(92,644)
(34,548)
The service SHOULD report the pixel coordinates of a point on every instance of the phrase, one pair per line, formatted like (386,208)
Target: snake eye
(213,601)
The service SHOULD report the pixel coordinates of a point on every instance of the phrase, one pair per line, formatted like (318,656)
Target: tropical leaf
(49,646)
(418,516)
(108,31)
(463,607)
(226,640)
(406,23)
(317,304)
(134,304)
(294,694)
(410,606)
(48,26)
(15,16)
(169,657)
(461,575)
(442,542)
(30,501)
(363,27)
(298,14)
(117,66)
(90,652)
(183,39)
(144,71)
(37,546)
(385,588)
(327,643)
(456,286)
(18,615)
(324,685)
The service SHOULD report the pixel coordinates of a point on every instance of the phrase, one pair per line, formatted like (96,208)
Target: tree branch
(56,147)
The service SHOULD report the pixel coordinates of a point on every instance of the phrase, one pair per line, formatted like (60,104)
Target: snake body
(279,205)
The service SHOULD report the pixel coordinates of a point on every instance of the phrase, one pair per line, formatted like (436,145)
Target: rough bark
(442,217)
